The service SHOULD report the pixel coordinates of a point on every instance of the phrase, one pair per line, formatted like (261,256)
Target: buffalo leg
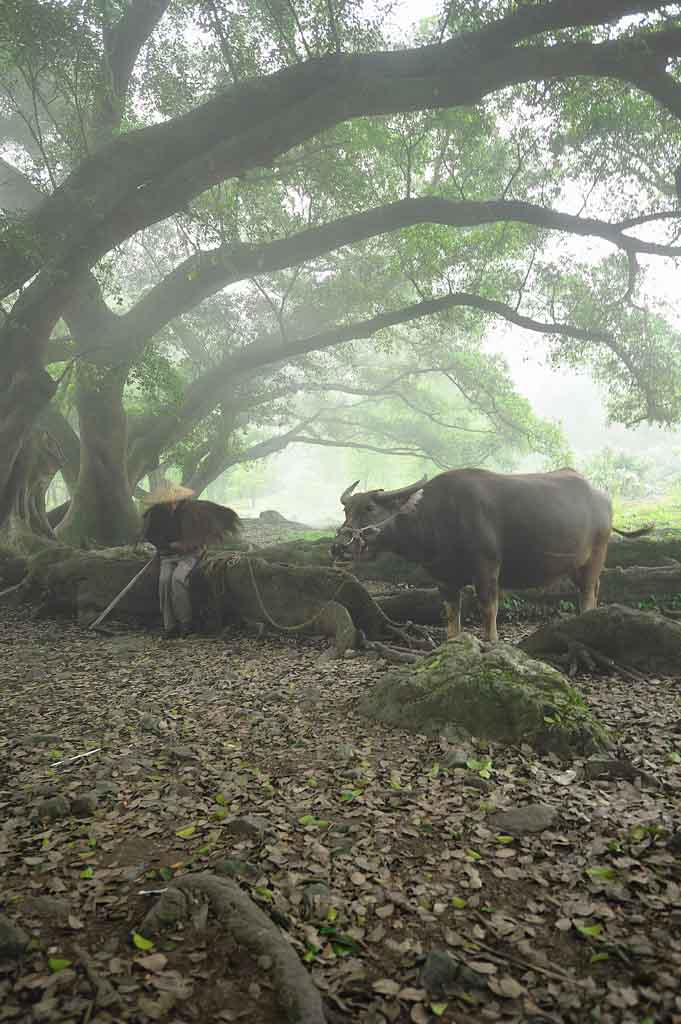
(487,588)
(588,578)
(453,609)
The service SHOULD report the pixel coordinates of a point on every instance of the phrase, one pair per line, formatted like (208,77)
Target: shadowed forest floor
(371,847)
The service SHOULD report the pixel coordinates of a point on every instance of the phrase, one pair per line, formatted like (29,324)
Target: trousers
(173,590)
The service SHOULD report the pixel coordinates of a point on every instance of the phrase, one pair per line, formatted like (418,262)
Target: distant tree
(621,474)
(269,98)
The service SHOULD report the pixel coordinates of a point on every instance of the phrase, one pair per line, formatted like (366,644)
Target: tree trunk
(29,514)
(102,510)
(23,396)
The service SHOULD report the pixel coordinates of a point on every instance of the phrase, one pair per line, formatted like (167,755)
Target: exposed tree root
(580,658)
(628,641)
(392,653)
(297,995)
(414,636)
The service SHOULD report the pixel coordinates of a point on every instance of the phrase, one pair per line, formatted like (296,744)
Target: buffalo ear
(411,503)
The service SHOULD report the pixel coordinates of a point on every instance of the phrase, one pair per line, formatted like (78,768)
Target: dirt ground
(370,847)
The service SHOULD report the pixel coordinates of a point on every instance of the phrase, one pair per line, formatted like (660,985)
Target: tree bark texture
(102,509)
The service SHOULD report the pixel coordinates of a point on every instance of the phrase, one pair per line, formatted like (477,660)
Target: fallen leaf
(154,962)
(386,987)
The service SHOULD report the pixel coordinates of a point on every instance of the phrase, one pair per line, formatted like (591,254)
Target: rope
(268,617)
(394,626)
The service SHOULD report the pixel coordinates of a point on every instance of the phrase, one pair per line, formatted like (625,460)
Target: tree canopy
(202,199)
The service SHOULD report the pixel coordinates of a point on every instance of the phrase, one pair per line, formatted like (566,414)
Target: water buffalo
(493,530)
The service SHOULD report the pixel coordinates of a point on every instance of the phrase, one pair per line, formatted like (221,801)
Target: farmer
(180,528)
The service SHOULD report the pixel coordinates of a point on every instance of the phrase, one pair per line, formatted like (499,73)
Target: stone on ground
(491,691)
(523,819)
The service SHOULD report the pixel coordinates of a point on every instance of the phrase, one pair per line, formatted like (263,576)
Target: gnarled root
(297,995)
(580,658)
(412,635)
(392,653)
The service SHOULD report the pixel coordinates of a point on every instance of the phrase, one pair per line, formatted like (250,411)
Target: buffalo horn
(347,492)
(404,492)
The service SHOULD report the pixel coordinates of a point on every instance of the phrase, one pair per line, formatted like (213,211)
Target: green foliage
(665,512)
(536,144)
(621,474)
(155,379)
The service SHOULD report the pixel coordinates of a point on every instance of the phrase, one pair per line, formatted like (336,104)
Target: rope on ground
(234,559)
(393,627)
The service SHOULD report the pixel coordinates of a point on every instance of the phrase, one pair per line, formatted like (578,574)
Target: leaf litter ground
(370,847)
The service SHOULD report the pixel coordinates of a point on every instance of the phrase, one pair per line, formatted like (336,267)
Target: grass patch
(306,535)
(665,512)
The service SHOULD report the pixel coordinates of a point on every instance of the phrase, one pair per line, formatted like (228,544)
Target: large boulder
(492,691)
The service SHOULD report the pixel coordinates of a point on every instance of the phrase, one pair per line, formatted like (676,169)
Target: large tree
(308,75)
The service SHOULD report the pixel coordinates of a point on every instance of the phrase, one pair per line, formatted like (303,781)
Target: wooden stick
(124,591)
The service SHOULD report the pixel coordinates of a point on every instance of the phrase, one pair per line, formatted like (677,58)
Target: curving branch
(125,40)
(146,175)
(202,396)
(206,273)
(122,44)
(123,338)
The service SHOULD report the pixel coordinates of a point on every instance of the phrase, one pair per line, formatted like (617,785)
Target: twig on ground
(76,757)
(528,965)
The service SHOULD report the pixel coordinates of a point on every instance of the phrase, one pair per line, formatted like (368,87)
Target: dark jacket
(194,523)
(163,526)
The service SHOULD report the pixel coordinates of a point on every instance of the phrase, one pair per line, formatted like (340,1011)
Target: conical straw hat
(166,494)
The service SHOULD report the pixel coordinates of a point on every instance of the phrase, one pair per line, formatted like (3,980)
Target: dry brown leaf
(154,962)
(386,987)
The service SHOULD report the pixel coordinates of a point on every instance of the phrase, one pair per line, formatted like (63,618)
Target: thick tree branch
(17,193)
(127,38)
(122,44)
(204,274)
(147,175)
(205,393)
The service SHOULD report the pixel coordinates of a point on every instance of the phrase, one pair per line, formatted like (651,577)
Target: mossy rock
(492,691)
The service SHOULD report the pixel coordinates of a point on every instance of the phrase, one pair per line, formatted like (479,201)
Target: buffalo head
(364,514)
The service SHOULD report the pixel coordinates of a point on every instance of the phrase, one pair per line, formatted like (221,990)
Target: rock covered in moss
(492,691)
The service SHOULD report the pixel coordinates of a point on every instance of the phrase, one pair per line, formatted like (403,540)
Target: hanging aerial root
(298,997)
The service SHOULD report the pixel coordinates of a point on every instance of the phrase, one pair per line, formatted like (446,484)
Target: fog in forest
(328,695)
